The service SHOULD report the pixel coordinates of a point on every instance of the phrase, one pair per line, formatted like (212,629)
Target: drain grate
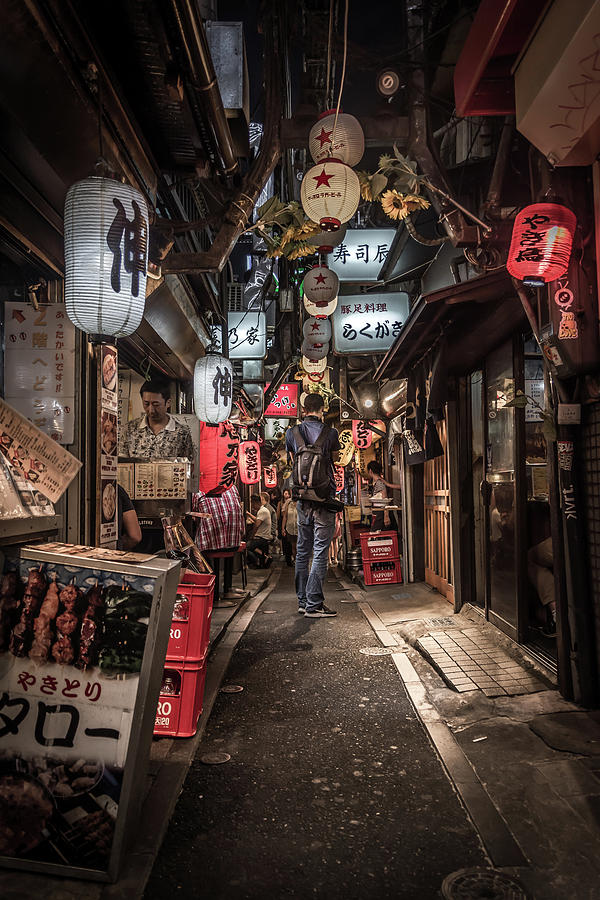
(441,622)
(379,651)
(473,884)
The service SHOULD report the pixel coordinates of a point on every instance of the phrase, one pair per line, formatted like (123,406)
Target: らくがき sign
(361,254)
(368,323)
(285,402)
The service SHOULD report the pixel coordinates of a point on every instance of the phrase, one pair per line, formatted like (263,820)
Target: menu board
(108,441)
(161,480)
(39,366)
(77,639)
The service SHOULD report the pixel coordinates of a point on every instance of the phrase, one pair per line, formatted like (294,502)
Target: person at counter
(156,435)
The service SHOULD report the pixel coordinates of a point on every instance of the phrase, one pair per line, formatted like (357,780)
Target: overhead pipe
(204,80)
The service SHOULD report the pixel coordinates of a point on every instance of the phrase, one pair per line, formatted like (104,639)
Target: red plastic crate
(376,545)
(375,575)
(189,637)
(177,713)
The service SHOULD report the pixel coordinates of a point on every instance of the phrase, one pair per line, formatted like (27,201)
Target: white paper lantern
(347,143)
(327,240)
(317,330)
(314,366)
(320,284)
(314,351)
(320,309)
(330,194)
(213,388)
(106,256)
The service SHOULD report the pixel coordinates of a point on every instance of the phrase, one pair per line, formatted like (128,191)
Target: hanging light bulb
(343,140)
(330,194)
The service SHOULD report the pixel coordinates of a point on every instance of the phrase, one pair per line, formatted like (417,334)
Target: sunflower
(398,206)
(365,185)
(287,236)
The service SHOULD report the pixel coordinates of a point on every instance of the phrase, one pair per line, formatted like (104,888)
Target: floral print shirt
(138,440)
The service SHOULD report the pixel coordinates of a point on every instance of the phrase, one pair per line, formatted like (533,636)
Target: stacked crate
(184,676)
(380,556)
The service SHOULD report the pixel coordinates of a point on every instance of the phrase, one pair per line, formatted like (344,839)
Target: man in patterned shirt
(156,435)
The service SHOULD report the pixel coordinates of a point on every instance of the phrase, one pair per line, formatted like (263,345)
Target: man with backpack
(313,445)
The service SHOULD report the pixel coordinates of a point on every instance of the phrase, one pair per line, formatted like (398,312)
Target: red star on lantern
(315,326)
(325,136)
(323,178)
(320,279)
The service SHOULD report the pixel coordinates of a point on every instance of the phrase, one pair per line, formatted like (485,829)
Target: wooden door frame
(440,536)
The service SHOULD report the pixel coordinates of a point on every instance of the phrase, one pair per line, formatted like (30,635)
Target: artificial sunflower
(365,185)
(398,206)
(287,236)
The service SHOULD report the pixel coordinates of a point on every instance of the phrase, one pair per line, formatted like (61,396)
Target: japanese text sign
(247,334)
(361,254)
(285,402)
(368,323)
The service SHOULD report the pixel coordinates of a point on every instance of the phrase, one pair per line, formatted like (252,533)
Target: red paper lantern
(541,243)
(250,462)
(339,479)
(361,434)
(270,476)
(218,457)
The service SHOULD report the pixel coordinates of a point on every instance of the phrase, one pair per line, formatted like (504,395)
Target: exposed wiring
(329,41)
(343,76)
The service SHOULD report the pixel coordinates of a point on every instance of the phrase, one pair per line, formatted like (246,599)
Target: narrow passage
(333,789)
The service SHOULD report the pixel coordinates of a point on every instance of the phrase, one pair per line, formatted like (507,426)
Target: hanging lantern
(361,434)
(250,462)
(327,240)
(320,309)
(213,388)
(106,256)
(218,457)
(317,330)
(541,243)
(347,447)
(380,424)
(270,476)
(320,285)
(314,366)
(339,478)
(330,194)
(346,142)
(314,351)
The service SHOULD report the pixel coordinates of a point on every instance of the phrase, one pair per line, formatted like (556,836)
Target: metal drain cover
(215,759)
(378,651)
(476,884)
(441,622)
(231,689)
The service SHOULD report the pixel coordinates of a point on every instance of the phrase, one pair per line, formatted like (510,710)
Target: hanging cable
(337,110)
(329,42)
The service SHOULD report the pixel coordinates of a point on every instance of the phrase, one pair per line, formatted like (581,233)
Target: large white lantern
(314,366)
(317,330)
(213,388)
(320,284)
(314,351)
(327,240)
(320,309)
(106,256)
(330,193)
(346,142)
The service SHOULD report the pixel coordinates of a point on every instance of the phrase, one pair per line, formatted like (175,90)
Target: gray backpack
(310,473)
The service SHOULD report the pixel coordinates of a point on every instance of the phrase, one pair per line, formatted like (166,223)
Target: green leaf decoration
(265,209)
(518,402)
(549,428)
(378,184)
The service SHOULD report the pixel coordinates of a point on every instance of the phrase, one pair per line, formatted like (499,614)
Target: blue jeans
(315,531)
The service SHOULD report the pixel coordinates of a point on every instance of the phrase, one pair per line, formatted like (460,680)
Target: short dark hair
(313,403)
(375,467)
(156,386)
(254,500)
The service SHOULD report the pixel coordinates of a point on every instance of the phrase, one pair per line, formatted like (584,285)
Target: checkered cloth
(226,527)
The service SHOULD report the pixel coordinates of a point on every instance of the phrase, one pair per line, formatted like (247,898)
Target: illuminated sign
(361,254)
(368,323)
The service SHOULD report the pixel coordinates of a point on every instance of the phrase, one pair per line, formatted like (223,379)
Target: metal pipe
(204,80)
(500,163)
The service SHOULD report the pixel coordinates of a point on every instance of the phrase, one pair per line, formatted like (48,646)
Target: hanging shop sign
(368,323)
(361,434)
(219,446)
(80,664)
(213,388)
(362,253)
(285,401)
(275,429)
(339,478)
(247,334)
(347,447)
(270,476)
(39,366)
(249,463)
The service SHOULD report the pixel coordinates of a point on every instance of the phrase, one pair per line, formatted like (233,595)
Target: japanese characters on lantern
(339,479)
(213,388)
(361,434)
(540,248)
(249,462)
(270,476)
(218,456)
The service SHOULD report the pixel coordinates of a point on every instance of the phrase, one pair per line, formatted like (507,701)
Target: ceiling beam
(379,131)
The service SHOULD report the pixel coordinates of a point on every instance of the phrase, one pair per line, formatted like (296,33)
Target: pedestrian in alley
(260,535)
(314,446)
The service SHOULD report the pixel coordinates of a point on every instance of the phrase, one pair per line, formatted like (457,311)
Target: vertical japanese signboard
(39,367)
(108,398)
(368,323)
(77,706)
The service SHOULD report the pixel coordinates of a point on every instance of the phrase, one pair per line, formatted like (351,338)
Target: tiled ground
(469,660)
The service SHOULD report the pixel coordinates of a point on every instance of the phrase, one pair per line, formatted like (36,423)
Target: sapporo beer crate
(379,545)
(181,698)
(386,571)
(190,627)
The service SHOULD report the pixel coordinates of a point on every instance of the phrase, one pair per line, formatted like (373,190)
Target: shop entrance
(438,553)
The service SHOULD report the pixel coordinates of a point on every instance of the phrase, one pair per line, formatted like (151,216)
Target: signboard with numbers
(39,366)
(247,335)
(361,254)
(285,401)
(81,668)
(368,323)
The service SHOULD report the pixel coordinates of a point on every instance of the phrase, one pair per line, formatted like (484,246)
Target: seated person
(540,570)
(380,518)
(260,535)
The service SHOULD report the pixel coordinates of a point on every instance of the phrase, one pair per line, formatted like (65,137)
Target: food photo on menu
(108,433)
(109,500)
(71,646)
(109,368)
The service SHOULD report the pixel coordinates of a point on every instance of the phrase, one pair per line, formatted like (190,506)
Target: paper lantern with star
(314,366)
(314,351)
(327,240)
(317,330)
(330,194)
(321,309)
(343,140)
(320,285)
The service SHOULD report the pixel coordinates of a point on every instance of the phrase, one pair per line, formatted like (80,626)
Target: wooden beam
(380,131)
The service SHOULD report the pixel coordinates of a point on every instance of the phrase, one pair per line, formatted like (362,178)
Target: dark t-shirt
(124,505)
(310,429)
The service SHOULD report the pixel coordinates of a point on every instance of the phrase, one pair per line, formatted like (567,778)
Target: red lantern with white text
(218,457)
(541,243)
(339,479)
(361,434)
(270,476)
(330,193)
(250,462)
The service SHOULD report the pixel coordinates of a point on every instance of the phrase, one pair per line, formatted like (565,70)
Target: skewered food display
(23,631)
(9,601)
(25,807)
(91,629)
(42,627)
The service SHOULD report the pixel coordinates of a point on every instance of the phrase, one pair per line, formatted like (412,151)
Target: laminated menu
(161,480)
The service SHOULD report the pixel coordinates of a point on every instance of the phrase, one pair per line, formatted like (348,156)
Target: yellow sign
(347,447)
